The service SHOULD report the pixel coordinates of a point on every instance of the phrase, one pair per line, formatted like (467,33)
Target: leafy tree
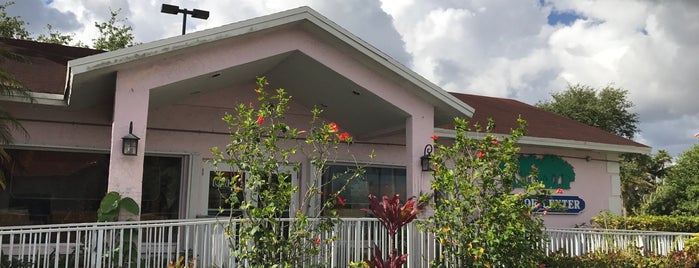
(12,27)
(640,174)
(114,33)
(478,220)
(55,37)
(678,194)
(607,109)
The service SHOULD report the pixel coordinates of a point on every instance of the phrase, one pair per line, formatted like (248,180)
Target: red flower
(260,120)
(480,154)
(340,200)
(546,212)
(317,240)
(559,191)
(538,205)
(434,137)
(344,137)
(494,142)
(333,127)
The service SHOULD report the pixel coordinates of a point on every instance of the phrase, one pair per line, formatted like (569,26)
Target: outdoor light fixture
(425,158)
(196,13)
(129,145)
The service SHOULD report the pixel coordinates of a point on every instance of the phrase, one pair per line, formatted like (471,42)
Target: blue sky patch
(562,17)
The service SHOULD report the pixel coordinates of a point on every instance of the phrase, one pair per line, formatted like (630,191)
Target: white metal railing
(579,241)
(153,244)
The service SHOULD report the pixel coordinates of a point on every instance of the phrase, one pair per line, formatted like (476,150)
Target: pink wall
(593,183)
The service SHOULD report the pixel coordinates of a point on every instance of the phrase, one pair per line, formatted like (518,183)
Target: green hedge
(623,258)
(687,224)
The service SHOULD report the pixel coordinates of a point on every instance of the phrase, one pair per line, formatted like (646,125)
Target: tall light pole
(196,13)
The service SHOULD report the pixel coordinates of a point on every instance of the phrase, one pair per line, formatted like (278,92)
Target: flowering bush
(261,145)
(478,220)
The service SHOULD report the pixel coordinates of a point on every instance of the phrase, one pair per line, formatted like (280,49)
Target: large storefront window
(378,181)
(45,187)
(50,187)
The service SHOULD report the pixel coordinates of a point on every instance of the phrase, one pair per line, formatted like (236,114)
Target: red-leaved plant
(393,216)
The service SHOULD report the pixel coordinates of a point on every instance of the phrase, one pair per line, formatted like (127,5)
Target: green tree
(606,109)
(478,220)
(640,174)
(12,27)
(114,33)
(55,37)
(678,194)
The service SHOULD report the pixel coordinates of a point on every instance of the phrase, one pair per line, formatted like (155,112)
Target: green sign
(552,170)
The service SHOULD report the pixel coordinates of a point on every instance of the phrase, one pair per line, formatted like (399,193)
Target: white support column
(130,105)
(419,129)
(615,202)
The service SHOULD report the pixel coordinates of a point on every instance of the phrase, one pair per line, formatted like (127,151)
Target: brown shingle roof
(45,70)
(540,123)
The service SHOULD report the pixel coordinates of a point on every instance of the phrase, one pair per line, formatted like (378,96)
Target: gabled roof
(543,127)
(84,72)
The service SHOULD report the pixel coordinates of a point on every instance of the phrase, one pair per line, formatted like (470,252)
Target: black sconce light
(129,145)
(425,158)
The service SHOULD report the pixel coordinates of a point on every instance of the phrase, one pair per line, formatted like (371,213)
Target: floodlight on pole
(196,13)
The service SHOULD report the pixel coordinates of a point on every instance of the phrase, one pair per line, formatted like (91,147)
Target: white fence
(153,244)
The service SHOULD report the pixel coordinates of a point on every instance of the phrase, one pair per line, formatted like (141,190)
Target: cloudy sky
(520,49)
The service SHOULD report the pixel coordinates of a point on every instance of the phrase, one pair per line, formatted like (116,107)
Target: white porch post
(130,105)
(419,129)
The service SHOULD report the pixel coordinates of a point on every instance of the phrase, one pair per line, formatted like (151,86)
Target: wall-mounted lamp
(425,158)
(129,145)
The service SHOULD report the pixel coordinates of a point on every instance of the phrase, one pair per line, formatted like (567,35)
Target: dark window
(161,187)
(379,181)
(48,187)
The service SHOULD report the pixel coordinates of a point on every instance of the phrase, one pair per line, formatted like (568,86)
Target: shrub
(478,220)
(630,258)
(607,220)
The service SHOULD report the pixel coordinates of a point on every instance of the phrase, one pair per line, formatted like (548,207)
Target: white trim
(37,98)
(551,142)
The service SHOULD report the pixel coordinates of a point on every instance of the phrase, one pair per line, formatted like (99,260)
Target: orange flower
(344,137)
(333,127)
(340,200)
(434,137)
(559,191)
(480,154)
(260,120)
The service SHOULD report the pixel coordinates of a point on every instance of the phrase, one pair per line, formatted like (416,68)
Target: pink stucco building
(174,91)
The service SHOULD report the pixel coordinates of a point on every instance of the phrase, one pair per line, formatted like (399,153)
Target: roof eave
(559,143)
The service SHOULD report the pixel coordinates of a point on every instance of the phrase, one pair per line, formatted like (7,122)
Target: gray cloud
(38,15)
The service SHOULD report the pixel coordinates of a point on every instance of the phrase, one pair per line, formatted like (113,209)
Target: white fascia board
(551,142)
(37,98)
